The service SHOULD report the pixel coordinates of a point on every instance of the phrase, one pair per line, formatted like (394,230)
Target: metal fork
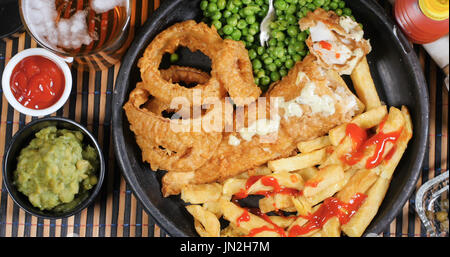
(264,36)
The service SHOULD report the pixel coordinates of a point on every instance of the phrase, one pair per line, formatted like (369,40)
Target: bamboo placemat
(117,213)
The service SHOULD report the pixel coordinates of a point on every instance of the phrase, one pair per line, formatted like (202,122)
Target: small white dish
(6,80)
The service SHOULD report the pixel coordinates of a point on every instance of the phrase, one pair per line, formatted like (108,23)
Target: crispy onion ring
(177,74)
(199,37)
(164,148)
(187,75)
(239,80)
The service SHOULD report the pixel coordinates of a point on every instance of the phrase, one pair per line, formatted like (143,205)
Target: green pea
(282,24)
(236,35)
(280,5)
(250,19)
(217,24)
(230,5)
(251,9)
(271,67)
(301,2)
(293,31)
(248,11)
(319,3)
(292,40)
(296,57)
(237,2)
(267,60)
(235,9)
(264,80)
(256,64)
(341,4)
(300,46)
(289,63)
(272,42)
(227,29)
(244,32)
(291,49)
(334,5)
(275,76)
(264,10)
(279,52)
(203,5)
(273,25)
(291,9)
(255,26)
(291,19)
(252,54)
(278,63)
(250,38)
(256,81)
(260,50)
(216,16)
(212,7)
(305,11)
(221,4)
(227,13)
(302,36)
(278,35)
(241,24)
(339,12)
(174,57)
(347,11)
(252,31)
(232,21)
(260,74)
(246,1)
(311,6)
(283,72)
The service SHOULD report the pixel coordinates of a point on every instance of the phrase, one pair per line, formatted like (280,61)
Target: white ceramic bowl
(6,80)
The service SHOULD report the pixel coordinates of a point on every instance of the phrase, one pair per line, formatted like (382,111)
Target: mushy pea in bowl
(56,170)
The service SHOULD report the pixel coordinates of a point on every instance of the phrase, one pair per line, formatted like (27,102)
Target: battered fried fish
(336,41)
(309,102)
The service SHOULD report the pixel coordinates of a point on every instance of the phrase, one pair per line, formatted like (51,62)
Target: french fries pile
(305,185)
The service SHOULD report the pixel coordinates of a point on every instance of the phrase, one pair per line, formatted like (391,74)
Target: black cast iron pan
(396,72)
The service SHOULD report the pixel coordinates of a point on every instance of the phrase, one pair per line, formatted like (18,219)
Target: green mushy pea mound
(55,167)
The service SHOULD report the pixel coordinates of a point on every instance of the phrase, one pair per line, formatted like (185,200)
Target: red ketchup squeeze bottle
(426,22)
(423,21)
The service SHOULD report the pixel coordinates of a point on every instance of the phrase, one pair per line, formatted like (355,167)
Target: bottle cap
(435,9)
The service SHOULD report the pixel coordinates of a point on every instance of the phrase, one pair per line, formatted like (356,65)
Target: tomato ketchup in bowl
(36,82)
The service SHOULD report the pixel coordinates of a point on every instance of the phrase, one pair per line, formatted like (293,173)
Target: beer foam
(71,33)
(101,6)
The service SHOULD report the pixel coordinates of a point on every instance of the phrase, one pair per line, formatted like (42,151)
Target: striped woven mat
(117,213)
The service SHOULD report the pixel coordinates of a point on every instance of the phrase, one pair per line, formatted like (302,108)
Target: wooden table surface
(117,213)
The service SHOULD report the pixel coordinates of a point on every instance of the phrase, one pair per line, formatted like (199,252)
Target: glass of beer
(92,32)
